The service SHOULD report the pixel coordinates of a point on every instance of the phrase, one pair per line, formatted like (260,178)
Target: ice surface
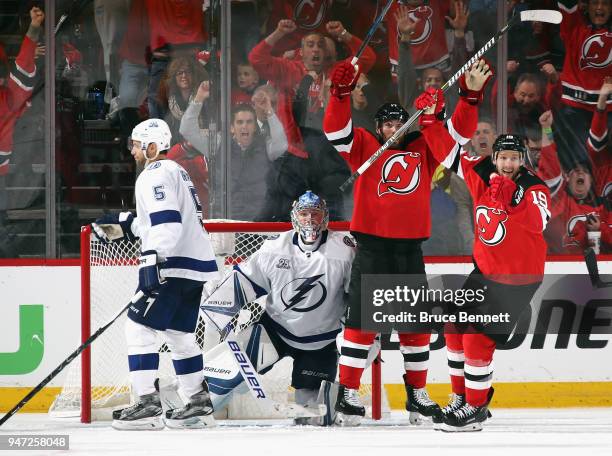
(511,432)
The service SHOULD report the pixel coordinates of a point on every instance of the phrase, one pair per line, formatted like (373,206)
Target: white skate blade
(348,420)
(474,427)
(154,423)
(417,419)
(195,422)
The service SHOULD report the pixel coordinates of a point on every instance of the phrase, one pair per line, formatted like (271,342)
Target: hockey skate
(465,419)
(144,415)
(197,414)
(419,404)
(349,408)
(456,402)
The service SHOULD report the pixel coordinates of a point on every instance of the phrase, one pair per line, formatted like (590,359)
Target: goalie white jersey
(305,289)
(169,222)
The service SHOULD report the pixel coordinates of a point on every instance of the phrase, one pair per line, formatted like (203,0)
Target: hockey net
(97,382)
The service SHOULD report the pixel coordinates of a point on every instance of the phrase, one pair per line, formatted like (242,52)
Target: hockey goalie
(305,274)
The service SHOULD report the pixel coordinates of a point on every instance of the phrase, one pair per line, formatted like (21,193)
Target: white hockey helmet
(309,216)
(152,131)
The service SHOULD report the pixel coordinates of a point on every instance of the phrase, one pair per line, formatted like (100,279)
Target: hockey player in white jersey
(305,274)
(176,260)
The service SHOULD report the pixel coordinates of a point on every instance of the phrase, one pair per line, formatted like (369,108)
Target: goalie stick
(550,16)
(591,262)
(68,360)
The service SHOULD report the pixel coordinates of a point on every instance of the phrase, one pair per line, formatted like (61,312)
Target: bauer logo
(250,377)
(31,343)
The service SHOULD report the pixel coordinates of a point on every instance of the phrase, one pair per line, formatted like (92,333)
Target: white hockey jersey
(305,289)
(168,221)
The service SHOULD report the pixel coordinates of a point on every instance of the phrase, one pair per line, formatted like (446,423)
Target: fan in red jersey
(510,213)
(391,218)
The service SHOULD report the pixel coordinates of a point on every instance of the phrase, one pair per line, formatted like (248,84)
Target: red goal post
(108,274)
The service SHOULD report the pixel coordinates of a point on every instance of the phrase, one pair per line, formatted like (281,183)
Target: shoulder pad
(527,179)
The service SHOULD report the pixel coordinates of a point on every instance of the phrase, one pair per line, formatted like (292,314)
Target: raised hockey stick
(68,360)
(550,16)
(591,262)
(371,32)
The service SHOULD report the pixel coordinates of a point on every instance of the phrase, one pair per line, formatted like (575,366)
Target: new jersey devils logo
(401,174)
(596,51)
(571,223)
(422,17)
(309,14)
(490,224)
(607,191)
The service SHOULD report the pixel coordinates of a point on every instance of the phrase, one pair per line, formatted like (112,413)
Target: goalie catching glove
(344,79)
(114,227)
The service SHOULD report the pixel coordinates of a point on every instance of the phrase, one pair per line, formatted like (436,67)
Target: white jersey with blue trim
(169,222)
(305,289)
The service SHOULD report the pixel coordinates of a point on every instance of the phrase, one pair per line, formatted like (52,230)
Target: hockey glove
(432,103)
(473,82)
(149,279)
(343,79)
(114,227)
(502,190)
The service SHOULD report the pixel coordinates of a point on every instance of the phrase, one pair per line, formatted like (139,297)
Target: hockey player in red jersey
(15,95)
(390,221)
(511,210)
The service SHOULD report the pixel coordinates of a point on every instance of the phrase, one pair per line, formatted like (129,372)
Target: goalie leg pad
(143,357)
(223,373)
(327,396)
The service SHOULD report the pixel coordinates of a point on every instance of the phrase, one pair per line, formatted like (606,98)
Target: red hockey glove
(343,79)
(501,190)
(428,99)
(479,75)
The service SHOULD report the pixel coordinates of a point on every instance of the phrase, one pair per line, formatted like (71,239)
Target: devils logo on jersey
(571,223)
(304,294)
(401,174)
(596,51)
(490,224)
(309,14)
(422,17)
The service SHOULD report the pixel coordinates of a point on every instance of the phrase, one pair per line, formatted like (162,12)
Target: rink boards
(40,326)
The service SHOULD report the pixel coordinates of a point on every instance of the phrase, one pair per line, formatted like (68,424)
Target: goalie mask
(309,217)
(152,131)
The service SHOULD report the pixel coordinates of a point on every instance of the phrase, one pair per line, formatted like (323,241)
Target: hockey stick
(550,16)
(591,262)
(68,360)
(371,32)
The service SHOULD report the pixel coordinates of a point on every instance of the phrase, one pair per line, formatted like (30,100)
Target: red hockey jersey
(509,245)
(14,97)
(588,58)
(175,22)
(428,44)
(563,235)
(286,74)
(601,155)
(392,198)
